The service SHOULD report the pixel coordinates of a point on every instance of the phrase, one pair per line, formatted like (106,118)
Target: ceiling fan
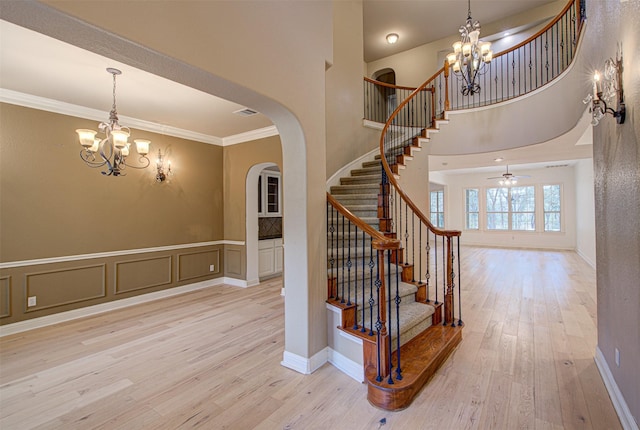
(509,178)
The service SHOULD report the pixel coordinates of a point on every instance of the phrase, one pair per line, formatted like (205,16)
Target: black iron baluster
(428,264)
(343,262)
(459,282)
(378,322)
(413,246)
(444,278)
(453,289)
(371,299)
(334,292)
(435,259)
(355,327)
(390,329)
(398,300)
(349,266)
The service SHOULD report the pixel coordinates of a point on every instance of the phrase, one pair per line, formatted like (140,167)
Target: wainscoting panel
(5,296)
(198,264)
(65,286)
(135,275)
(234,262)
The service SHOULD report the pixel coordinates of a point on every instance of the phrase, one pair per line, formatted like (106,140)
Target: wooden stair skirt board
(421,357)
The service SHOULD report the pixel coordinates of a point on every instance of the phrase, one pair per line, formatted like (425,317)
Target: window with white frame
(437,208)
(511,208)
(523,208)
(471,208)
(551,207)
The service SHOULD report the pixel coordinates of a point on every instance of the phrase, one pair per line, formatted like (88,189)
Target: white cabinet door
(279,257)
(266,262)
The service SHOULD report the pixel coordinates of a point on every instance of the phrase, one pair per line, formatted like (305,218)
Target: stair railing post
(446,85)
(448,299)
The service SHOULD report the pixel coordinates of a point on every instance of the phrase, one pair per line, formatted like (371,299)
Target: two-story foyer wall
(94,238)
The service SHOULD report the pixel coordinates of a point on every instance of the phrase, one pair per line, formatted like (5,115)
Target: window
(523,208)
(498,208)
(437,208)
(471,209)
(551,199)
(511,208)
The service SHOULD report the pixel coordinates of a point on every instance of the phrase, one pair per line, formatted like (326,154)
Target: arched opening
(255,207)
(388,94)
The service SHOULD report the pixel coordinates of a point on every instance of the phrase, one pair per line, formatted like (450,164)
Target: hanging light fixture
(113,149)
(470,56)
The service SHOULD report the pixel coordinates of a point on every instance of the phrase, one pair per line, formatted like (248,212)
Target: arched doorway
(254,186)
(388,94)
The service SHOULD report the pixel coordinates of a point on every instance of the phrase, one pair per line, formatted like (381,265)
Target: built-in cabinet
(269,194)
(270,257)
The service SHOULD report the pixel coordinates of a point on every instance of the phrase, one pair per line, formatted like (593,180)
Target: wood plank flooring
(211,360)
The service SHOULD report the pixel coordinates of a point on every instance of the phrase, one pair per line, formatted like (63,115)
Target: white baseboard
(619,403)
(237,282)
(74,314)
(304,365)
(346,365)
(586,259)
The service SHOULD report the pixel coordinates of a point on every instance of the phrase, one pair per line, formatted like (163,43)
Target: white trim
(619,403)
(303,365)
(55,106)
(373,124)
(346,365)
(234,282)
(65,258)
(74,314)
(248,136)
(585,258)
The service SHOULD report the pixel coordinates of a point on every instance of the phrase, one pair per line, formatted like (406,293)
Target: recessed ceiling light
(392,38)
(499,159)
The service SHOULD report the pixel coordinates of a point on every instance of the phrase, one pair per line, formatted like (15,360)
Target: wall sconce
(607,88)
(161,175)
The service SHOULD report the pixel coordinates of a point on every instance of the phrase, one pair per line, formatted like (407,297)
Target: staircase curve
(393,277)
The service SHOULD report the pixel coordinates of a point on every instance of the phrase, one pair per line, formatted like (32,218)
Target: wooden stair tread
(421,357)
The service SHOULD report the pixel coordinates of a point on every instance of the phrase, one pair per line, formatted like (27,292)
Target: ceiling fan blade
(497,177)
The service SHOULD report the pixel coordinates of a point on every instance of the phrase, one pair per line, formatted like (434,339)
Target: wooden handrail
(541,32)
(379,240)
(384,84)
(387,168)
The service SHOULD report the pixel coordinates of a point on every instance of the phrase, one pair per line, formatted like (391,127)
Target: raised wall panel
(197,264)
(65,286)
(233,262)
(144,273)
(5,296)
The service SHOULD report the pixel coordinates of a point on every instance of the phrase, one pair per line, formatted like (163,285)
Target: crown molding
(55,106)
(248,136)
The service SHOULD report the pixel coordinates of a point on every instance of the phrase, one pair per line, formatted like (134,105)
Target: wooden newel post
(448,298)
(446,85)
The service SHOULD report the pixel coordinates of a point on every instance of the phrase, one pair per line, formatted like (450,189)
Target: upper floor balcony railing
(515,72)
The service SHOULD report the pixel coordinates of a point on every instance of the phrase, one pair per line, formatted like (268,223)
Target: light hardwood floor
(211,359)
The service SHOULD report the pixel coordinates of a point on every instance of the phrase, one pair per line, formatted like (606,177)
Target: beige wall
(347,139)
(52,205)
(616,159)
(238,159)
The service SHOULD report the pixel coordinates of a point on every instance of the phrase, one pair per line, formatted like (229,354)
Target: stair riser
(353,189)
(369,179)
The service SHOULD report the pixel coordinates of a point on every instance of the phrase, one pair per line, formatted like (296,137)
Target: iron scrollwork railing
(528,65)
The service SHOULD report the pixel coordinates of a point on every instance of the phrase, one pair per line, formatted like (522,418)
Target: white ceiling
(39,65)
